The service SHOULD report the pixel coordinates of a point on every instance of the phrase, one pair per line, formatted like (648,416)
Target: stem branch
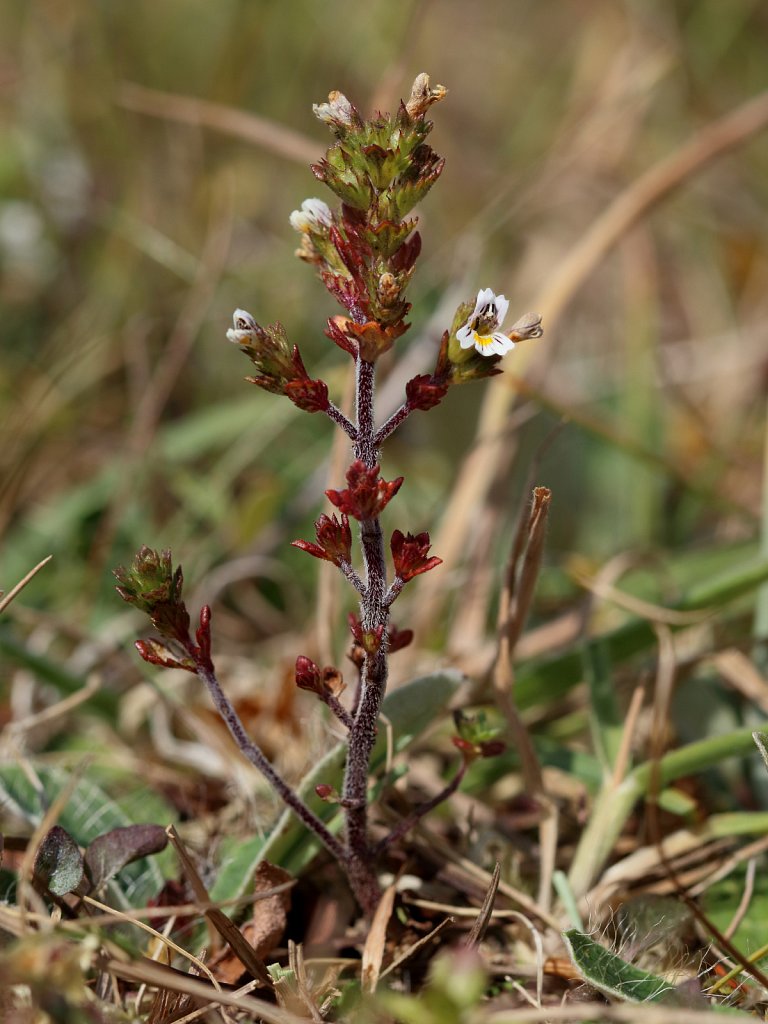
(255,755)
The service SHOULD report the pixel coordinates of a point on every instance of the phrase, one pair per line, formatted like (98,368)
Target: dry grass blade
(373,951)
(636,606)
(5,599)
(154,975)
(297,964)
(522,571)
(249,127)
(419,944)
(117,915)
(480,926)
(442,852)
(743,675)
(197,1014)
(517,595)
(231,934)
(50,714)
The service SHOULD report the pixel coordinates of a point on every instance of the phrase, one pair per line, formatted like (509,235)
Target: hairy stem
(373,613)
(338,416)
(255,755)
(338,709)
(394,421)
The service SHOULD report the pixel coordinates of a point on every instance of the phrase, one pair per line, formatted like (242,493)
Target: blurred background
(152,153)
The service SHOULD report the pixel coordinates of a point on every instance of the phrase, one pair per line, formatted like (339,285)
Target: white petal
(502,305)
(502,339)
(243,320)
(317,210)
(299,220)
(465,336)
(484,296)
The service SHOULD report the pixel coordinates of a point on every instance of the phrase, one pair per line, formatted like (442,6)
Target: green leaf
(410,709)
(610,974)
(89,813)
(59,863)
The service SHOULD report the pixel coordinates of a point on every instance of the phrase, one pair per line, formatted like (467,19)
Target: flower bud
(334,540)
(410,555)
(528,326)
(308,675)
(327,793)
(338,112)
(425,392)
(314,215)
(367,494)
(423,96)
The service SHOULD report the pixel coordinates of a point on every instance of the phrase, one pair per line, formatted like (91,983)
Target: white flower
(314,215)
(482,328)
(337,111)
(243,327)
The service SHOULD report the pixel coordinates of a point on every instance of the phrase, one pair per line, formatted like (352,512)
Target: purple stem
(338,416)
(397,585)
(420,810)
(373,613)
(392,423)
(338,709)
(256,756)
(350,574)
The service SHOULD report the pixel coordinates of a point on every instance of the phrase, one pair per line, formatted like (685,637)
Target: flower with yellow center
(482,328)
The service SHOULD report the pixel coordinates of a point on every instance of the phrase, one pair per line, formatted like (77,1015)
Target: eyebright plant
(364,249)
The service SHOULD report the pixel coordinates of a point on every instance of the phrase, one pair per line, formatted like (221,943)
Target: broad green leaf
(410,709)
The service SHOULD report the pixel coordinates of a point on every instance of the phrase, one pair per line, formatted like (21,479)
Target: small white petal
(504,341)
(242,320)
(317,210)
(299,221)
(502,305)
(466,336)
(484,297)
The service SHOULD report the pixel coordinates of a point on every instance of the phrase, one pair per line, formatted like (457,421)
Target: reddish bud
(367,494)
(155,652)
(397,639)
(203,637)
(468,750)
(336,332)
(405,257)
(492,748)
(309,395)
(334,540)
(425,392)
(410,555)
(308,675)
(327,793)
(369,640)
